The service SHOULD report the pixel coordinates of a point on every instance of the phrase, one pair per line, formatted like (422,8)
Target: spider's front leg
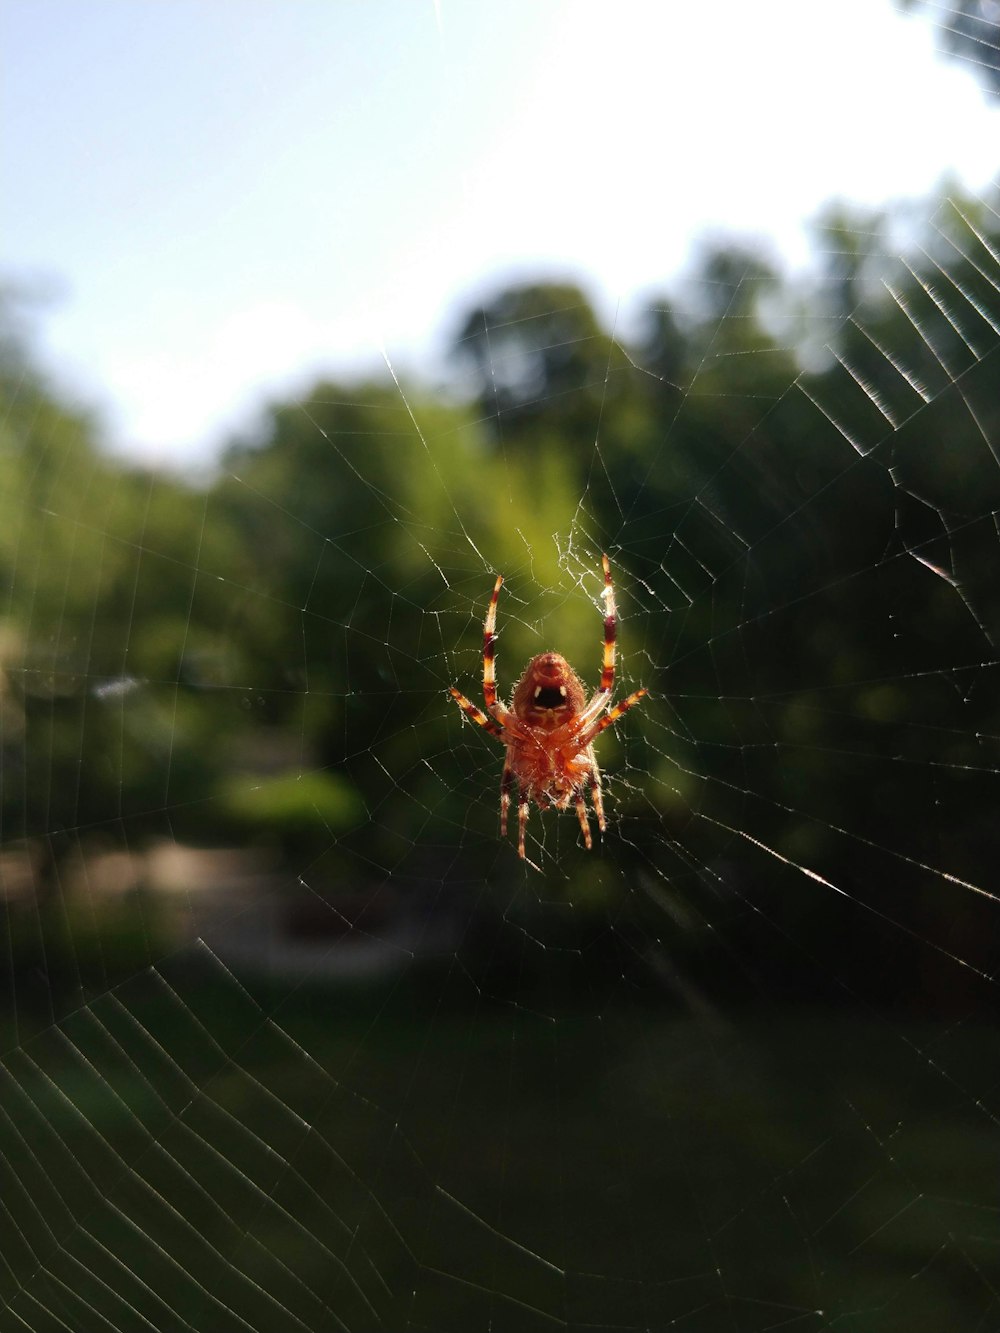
(493,705)
(603,692)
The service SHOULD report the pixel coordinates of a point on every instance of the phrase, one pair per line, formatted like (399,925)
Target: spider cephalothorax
(548,730)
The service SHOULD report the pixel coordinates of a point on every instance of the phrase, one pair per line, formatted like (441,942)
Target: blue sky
(230,196)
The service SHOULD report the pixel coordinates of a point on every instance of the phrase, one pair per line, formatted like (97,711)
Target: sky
(219,200)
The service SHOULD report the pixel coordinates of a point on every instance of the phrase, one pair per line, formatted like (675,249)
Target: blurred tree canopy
(969,30)
(262,659)
(540,366)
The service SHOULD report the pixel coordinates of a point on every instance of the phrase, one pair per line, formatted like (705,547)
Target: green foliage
(267,655)
(293,804)
(542,371)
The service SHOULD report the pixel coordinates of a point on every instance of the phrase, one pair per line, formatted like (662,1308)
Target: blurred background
(315,318)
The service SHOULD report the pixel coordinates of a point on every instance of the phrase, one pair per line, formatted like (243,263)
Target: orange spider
(549,732)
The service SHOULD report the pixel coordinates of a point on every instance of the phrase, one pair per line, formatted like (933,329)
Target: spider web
(734,1069)
(731,1069)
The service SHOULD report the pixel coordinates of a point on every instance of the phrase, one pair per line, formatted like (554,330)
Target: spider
(548,730)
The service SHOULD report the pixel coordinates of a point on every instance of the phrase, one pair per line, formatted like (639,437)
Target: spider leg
(477,714)
(489,656)
(594,783)
(612,717)
(506,783)
(610,629)
(603,694)
(522,823)
(581,814)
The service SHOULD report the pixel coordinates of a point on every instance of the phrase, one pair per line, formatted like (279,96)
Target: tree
(113,633)
(969,30)
(541,365)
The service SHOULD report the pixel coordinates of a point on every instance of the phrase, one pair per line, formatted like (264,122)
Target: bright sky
(235,194)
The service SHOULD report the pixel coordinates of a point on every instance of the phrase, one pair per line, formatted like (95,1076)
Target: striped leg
(500,714)
(489,656)
(596,705)
(610,629)
(581,814)
(595,792)
(612,717)
(477,714)
(506,784)
(522,824)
